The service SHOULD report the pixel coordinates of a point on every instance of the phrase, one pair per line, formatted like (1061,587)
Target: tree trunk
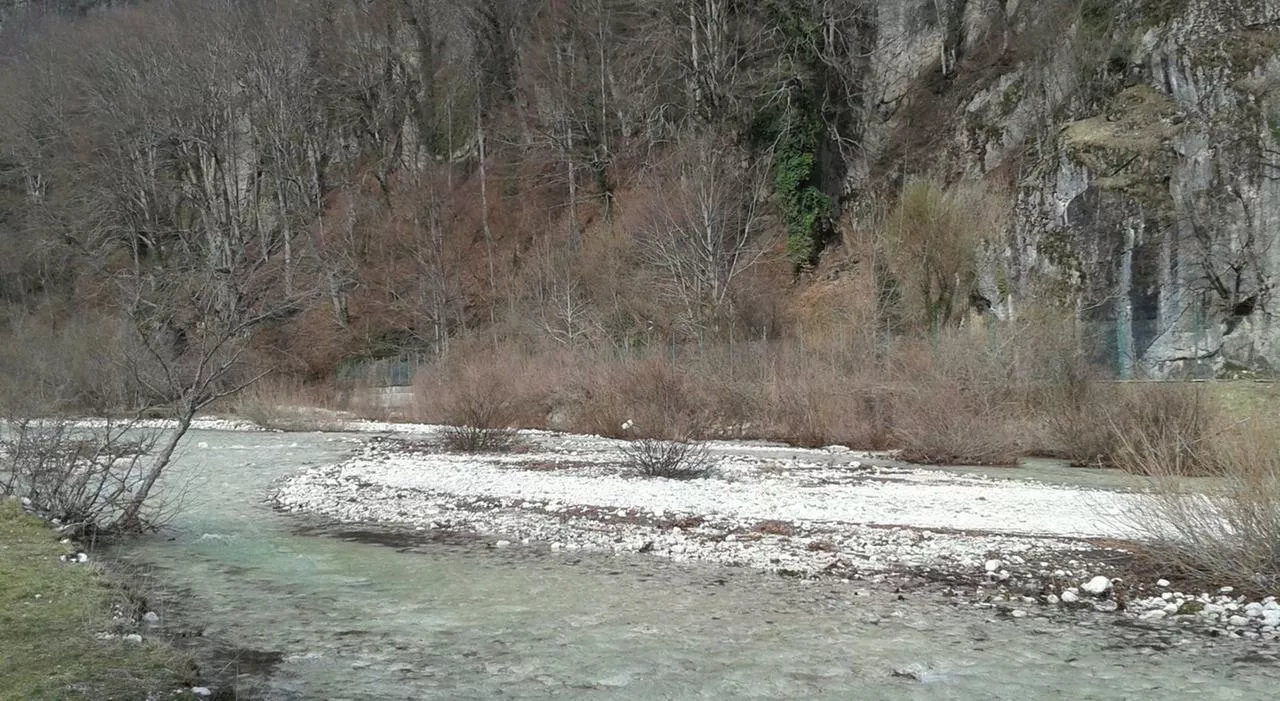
(484,210)
(131,519)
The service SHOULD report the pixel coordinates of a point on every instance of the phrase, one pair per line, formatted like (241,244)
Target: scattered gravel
(1004,544)
(202,423)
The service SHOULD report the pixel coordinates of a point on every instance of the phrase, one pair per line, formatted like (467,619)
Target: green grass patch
(49,615)
(1244,400)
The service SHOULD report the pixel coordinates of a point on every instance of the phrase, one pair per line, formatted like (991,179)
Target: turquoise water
(350,619)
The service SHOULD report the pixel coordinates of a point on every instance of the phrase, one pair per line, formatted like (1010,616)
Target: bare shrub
(651,396)
(478,439)
(954,406)
(670,459)
(1078,421)
(82,478)
(527,384)
(1166,427)
(1073,398)
(1224,529)
(954,428)
(286,404)
(478,412)
(986,392)
(820,408)
(1096,423)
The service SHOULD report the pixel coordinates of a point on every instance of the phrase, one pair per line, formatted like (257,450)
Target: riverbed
(319,610)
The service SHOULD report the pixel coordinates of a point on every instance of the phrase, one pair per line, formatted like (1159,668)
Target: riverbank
(1017,546)
(67,629)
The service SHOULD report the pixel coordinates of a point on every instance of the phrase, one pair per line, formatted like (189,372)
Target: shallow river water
(352,619)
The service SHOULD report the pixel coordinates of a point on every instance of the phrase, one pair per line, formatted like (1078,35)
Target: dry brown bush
(483,396)
(1070,398)
(509,385)
(649,397)
(771,390)
(288,404)
(821,408)
(478,415)
(955,404)
(1077,406)
(1224,529)
(930,239)
(976,394)
(1166,429)
(1093,422)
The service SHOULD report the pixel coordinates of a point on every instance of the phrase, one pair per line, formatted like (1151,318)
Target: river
(330,614)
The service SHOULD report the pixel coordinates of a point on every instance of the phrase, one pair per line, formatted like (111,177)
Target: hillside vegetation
(786,201)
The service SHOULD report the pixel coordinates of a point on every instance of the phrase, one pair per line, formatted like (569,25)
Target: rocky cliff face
(1141,139)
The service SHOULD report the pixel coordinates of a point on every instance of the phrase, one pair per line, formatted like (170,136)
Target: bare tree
(163,158)
(705,231)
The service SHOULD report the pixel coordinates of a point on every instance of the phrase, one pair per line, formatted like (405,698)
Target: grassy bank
(49,615)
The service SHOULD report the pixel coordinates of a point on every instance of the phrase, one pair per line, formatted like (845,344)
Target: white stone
(993,565)
(151,617)
(1096,586)
(1051,599)
(1018,613)
(1162,583)
(1271,618)
(1253,609)
(1238,621)
(133,638)
(1070,596)
(1153,615)
(1227,590)
(201,691)
(502,544)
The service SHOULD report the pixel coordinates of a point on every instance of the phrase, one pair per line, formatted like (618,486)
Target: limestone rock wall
(1142,141)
